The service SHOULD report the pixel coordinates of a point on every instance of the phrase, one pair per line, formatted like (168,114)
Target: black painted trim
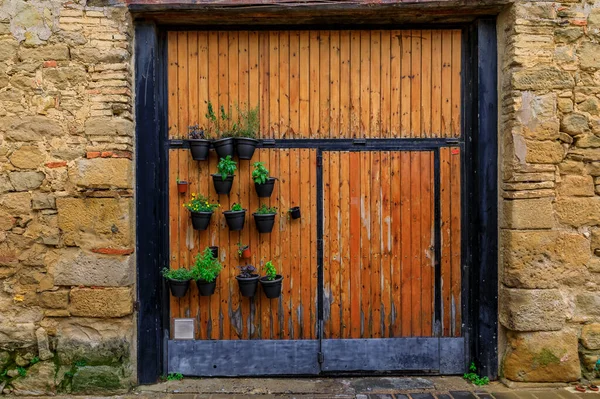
(437,242)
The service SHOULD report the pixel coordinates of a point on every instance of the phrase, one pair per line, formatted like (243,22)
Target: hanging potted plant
(182,186)
(201,211)
(224,145)
(264,217)
(295,212)
(205,271)
(178,279)
(244,251)
(235,217)
(198,142)
(271,282)
(223,180)
(247,280)
(263,183)
(245,132)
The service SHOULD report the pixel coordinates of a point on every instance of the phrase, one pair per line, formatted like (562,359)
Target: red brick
(579,22)
(57,164)
(122,154)
(93,154)
(113,251)
(50,64)
(106,154)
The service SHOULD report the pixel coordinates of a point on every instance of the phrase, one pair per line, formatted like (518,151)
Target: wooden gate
(362,130)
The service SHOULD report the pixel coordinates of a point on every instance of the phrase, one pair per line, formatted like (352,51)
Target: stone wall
(66,199)
(549,135)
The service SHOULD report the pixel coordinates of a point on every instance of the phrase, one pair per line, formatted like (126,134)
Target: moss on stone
(545,358)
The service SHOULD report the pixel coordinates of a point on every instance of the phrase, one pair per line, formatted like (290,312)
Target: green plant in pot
(244,251)
(205,271)
(264,218)
(247,280)
(245,130)
(235,217)
(199,143)
(178,279)
(224,145)
(271,281)
(201,211)
(263,183)
(223,180)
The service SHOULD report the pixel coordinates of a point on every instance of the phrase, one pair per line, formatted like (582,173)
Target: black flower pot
(265,190)
(199,149)
(272,289)
(178,287)
(235,219)
(201,220)
(248,285)
(295,212)
(224,147)
(264,222)
(222,186)
(205,288)
(245,147)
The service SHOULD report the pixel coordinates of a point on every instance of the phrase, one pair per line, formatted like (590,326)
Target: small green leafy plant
(247,123)
(226,167)
(236,207)
(241,248)
(206,266)
(266,210)
(270,271)
(474,378)
(200,203)
(22,372)
(174,377)
(34,360)
(177,274)
(260,174)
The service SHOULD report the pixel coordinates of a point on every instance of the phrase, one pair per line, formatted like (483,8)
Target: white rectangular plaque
(183,328)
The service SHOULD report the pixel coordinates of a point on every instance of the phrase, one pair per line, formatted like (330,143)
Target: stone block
(589,55)
(542,78)
(57,52)
(568,34)
(5,185)
(584,154)
(101,126)
(542,357)
(588,140)
(16,203)
(576,186)
(91,55)
(99,380)
(590,336)
(532,310)
(24,181)
(574,124)
(16,335)
(29,128)
(102,173)
(544,152)
(76,267)
(543,259)
(587,306)
(65,76)
(54,299)
(27,157)
(591,106)
(41,201)
(98,341)
(527,214)
(101,302)
(95,222)
(44,352)
(578,211)
(39,381)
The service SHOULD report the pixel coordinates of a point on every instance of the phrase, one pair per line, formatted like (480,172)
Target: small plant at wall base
(474,378)
(263,183)
(174,377)
(223,179)
(178,279)
(201,210)
(205,271)
(271,282)
(264,218)
(235,217)
(247,280)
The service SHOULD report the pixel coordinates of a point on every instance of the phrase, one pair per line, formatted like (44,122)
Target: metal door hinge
(320,357)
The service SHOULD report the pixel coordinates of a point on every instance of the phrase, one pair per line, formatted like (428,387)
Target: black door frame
(479,123)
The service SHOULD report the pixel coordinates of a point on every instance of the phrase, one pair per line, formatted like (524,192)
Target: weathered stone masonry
(66,187)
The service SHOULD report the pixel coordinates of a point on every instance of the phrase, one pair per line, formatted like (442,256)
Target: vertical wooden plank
(415,184)
(365,83)
(446,115)
(355,243)
(397,235)
(233,73)
(294,83)
(445,261)
(172,71)
(396,81)
(274,84)
(202,78)
(426,83)
(254,241)
(244,70)
(415,89)
(314,83)
(334,84)
(386,246)
(275,241)
(427,244)
(173,225)
(264,71)
(296,255)
(436,83)
(305,92)
(213,70)
(375,89)
(375,244)
(455,234)
(223,77)
(305,246)
(344,89)
(284,84)
(211,305)
(355,88)
(284,227)
(386,87)
(254,93)
(335,296)
(405,100)
(406,258)
(456,82)
(193,78)
(324,76)
(365,242)
(345,234)
(265,255)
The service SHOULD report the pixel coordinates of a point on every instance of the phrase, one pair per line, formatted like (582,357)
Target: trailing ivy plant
(474,378)
(260,174)
(226,167)
(270,271)
(266,210)
(177,274)
(206,267)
